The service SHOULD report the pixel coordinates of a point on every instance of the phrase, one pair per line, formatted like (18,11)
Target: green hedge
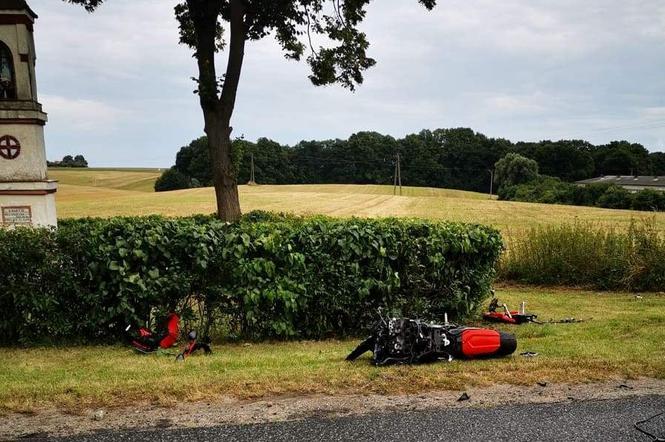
(265,277)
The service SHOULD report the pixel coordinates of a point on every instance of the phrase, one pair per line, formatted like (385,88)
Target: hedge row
(265,277)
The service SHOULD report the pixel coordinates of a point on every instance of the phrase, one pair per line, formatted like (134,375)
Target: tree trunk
(217,111)
(223,173)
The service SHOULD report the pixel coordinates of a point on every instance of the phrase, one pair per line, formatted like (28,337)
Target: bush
(615,197)
(172,179)
(586,255)
(551,190)
(649,200)
(267,276)
(544,189)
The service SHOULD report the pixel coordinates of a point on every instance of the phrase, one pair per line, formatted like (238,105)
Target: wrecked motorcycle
(144,340)
(412,341)
(507,316)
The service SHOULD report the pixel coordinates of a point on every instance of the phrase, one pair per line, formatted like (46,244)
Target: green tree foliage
(615,197)
(193,161)
(570,160)
(515,169)
(267,276)
(452,158)
(648,200)
(657,162)
(80,161)
(611,196)
(271,161)
(621,158)
(467,156)
(69,161)
(172,179)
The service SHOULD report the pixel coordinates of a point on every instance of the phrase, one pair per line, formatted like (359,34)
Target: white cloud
(515,104)
(657,113)
(82,115)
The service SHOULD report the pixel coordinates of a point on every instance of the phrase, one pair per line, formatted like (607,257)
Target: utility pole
(397,181)
(399,174)
(252,182)
(491,171)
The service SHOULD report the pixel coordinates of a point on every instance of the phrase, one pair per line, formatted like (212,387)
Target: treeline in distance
(448,158)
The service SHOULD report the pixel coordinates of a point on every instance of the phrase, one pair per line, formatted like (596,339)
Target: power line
(384,162)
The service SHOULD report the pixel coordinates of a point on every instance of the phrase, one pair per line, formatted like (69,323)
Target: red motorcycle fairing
(478,342)
(471,343)
(513,318)
(148,341)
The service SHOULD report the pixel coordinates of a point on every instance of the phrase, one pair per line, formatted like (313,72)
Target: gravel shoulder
(51,422)
(590,420)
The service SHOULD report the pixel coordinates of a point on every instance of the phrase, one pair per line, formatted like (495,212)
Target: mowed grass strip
(622,337)
(140,180)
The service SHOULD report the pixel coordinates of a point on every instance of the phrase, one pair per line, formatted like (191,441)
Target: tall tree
(515,169)
(296,25)
(657,160)
(621,158)
(570,160)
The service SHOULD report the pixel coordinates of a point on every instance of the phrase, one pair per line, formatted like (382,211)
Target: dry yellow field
(142,180)
(111,195)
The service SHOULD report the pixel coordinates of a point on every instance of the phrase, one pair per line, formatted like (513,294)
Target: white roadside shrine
(27,197)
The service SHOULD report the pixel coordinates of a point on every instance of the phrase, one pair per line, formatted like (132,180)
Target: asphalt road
(588,421)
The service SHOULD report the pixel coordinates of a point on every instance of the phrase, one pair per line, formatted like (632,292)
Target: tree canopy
(69,161)
(457,158)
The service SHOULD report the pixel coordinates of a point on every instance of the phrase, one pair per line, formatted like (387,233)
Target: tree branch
(236,57)
(204,15)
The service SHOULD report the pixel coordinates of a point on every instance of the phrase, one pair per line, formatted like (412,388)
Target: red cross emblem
(10,148)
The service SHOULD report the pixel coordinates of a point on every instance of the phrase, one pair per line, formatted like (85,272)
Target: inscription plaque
(16,215)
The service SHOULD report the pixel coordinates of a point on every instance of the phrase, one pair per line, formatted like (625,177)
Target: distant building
(629,182)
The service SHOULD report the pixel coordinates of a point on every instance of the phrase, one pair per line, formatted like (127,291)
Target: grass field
(126,192)
(140,180)
(621,338)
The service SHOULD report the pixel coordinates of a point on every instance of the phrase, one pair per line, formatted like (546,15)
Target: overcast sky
(117,86)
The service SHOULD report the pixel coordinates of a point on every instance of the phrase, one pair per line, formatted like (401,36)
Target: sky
(118,88)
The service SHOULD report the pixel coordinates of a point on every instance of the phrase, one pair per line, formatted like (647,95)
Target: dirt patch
(51,422)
